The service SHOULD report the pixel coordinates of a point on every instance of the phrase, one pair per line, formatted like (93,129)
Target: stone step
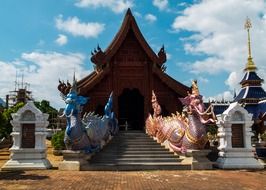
(134,150)
(134,156)
(137,166)
(4,151)
(133,136)
(4,154)
(117,140)
(145,139)
(121,144)
(141,159)
(131,132)
(162,151)
(137,146)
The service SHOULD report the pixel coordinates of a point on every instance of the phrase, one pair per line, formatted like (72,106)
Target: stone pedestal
(29,135)
(238,158)
(73,160)
(199,159)
(234,133)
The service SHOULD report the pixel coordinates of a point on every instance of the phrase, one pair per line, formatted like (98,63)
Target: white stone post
(231,157)
(28,158)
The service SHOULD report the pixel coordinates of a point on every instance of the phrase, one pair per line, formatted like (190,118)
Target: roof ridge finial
(129,11)
(74,84)
(250,64)
(195,88)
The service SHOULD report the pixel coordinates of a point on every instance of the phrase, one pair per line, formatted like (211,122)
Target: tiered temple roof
(251,85)
(102,59)
(251,95)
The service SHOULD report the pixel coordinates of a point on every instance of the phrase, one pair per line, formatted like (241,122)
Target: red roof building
(131,69)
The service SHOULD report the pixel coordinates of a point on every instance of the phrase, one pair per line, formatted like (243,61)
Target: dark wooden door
(237,136)
(28,136)
(131,109)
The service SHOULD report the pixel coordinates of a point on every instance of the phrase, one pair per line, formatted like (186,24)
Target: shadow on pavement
(20,175)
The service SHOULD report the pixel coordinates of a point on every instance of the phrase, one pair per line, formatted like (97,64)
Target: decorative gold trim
(193,140)
(250,66)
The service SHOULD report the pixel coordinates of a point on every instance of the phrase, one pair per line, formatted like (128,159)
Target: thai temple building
(251,95)
(130,69)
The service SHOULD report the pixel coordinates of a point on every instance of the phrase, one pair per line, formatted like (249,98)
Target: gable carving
(28,116)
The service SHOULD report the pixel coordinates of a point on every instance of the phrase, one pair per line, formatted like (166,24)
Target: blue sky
(204,40)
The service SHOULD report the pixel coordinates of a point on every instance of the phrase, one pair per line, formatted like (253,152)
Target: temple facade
(130,69)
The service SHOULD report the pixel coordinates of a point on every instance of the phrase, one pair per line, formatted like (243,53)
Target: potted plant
(58,143)
(212,135)
(261,145)
(263,137)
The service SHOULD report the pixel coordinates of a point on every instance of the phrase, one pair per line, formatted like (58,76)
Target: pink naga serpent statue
(186,131)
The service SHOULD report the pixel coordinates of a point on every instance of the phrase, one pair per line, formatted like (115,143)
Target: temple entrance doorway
(131,110)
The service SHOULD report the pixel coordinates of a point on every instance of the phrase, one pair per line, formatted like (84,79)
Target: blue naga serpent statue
(186,131)
(91,131)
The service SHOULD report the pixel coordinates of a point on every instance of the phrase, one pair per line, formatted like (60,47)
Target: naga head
(157,110)
(73,101)
(195,105)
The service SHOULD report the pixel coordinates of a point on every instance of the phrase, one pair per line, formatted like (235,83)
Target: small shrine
(234,133)
(29,135)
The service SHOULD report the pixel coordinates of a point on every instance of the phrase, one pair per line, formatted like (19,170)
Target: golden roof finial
(250,64)
(195,89)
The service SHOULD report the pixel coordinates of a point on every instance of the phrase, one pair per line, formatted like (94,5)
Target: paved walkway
(153,180)
(200,180)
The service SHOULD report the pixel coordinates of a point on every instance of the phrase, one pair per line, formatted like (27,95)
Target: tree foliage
(58,140)
(5,118)
(45,107)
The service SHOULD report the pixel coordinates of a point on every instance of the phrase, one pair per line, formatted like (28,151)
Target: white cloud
(42,71)
(160,4)
(168,56)
(137,14)
(73,26)
(150,18)
(217,33)
(182,4)
(116,6)
(203,80)
(234,79)
(61,40)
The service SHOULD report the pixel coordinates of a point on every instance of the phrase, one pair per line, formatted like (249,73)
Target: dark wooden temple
(131,69)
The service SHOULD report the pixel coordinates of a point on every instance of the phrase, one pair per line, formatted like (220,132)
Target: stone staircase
(4,154)
(135,150)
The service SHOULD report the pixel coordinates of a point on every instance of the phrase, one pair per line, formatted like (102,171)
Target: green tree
(45,107)
(3,121)
(5,118)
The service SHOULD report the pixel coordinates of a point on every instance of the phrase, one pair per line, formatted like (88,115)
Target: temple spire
(250,64)
(74,84)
